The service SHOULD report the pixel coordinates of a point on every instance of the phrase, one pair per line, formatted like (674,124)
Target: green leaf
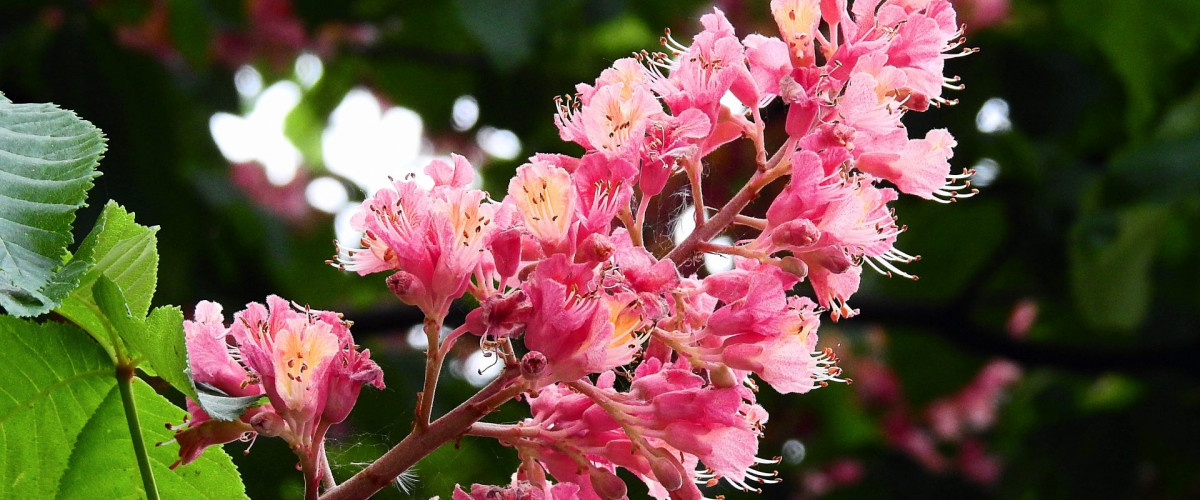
(54,380)
(159,339)
(1143,43)
(221,406)
(48,159)
(165,348)
(1110,265)
(126,253)
(62,425)
(93,472)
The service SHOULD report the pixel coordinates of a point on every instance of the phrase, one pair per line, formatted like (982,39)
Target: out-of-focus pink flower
(1022,318)
(979,14)
(976,463)
(841,472)
(974,407)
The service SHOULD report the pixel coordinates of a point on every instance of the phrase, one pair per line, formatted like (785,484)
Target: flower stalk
(417,445)
(124,384)
(433,367)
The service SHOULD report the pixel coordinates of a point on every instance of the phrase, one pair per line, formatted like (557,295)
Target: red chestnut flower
(304,362)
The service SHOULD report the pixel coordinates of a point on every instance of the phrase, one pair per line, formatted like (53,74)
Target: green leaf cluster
(64,425)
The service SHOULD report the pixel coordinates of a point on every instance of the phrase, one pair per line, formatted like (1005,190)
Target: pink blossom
(706,69)
(797,21)
(569,267)
(434,238)
(668,141)
(210,363)
(603,187)
(571,321)
(304,362)
(921,168)
(769,62)
(545,197)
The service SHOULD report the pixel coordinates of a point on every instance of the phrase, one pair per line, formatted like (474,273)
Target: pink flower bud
(268,424)
(607,484)
(795,266)
(723,377)
(401,283)
(667,469)
(595,248)
(533,364)
(506,252)
(798,233)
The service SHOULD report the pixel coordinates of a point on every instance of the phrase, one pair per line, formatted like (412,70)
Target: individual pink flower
(712,65)
(669,140)
(769,61)
(545,196)
(788,360)
(615,119)
(303,361)
(603,187)
(211,364)
(797,21)
(571,323)
(920,168)
(434,238)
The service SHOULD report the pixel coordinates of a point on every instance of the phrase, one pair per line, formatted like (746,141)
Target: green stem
(124,379)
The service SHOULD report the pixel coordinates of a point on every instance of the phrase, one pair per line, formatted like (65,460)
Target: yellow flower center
(301,348)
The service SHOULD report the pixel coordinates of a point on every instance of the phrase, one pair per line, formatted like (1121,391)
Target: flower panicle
(562,263)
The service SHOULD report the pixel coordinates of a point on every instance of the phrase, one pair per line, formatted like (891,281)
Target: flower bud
(401,283)
(607,484)
(836,262)
(533,364)
(797,233)
(595,248)
(506,252)
(795,266)
(268,424)
(722,377)
(526,272)
(666,470)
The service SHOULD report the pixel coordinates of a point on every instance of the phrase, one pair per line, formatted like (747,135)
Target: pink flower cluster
(632,361)
(304,362)
(952,422)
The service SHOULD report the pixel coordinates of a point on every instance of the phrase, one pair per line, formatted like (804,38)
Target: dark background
(1076,265)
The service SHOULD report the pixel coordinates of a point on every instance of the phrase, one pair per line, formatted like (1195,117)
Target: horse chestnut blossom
(626,356)
(304,362)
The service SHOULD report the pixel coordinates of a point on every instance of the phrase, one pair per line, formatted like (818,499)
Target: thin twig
(726,214)
(417,445)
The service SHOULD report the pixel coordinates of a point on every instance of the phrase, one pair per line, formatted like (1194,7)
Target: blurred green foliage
(1093,216)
